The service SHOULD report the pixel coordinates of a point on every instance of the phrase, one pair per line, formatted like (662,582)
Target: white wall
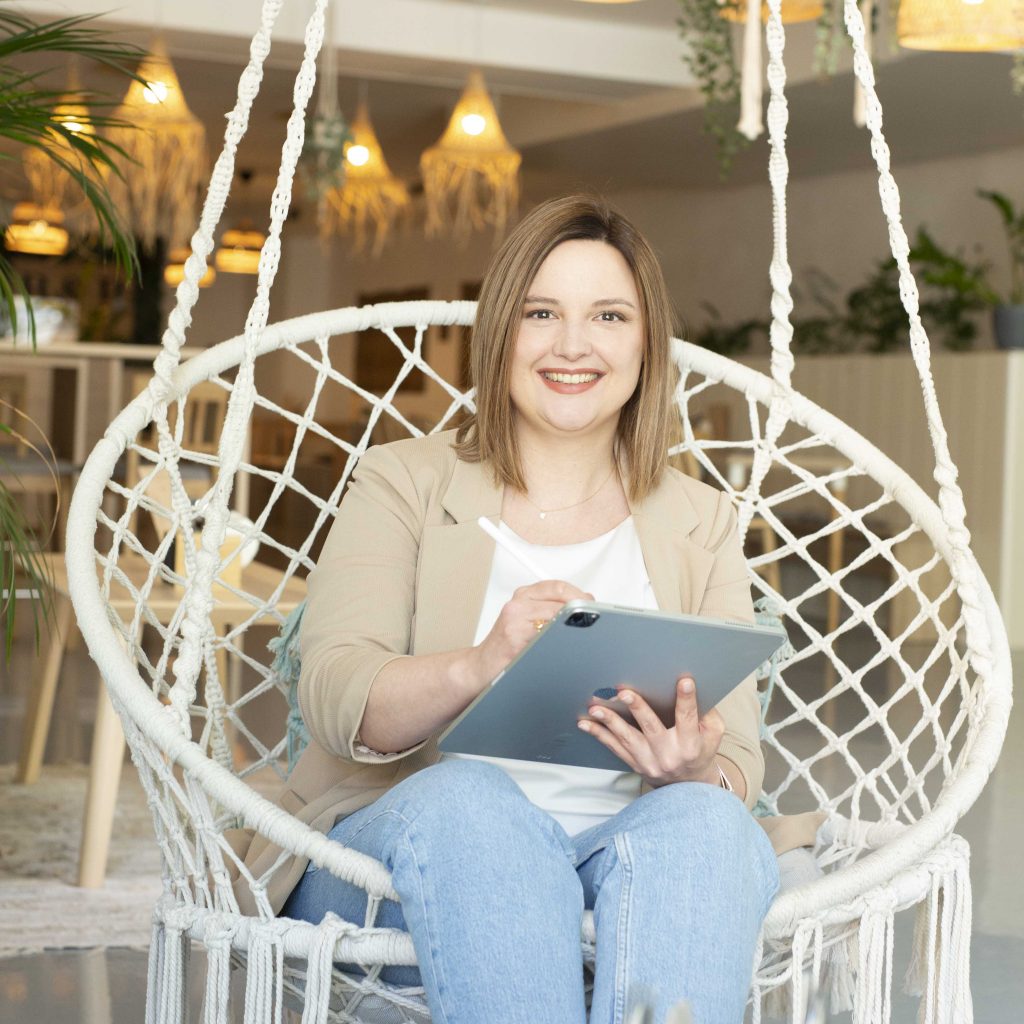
(715,245)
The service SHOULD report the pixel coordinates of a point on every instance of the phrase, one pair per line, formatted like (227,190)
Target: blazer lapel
(678,568)
(455,562)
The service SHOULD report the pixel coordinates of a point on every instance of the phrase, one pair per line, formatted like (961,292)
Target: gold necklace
(545,512)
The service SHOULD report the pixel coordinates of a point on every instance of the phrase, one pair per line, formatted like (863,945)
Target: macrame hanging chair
(893,770)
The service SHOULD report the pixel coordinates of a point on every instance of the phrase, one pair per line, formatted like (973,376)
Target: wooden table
(99,381)
(108,739)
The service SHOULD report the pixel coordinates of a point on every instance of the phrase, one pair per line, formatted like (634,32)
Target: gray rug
(40,829)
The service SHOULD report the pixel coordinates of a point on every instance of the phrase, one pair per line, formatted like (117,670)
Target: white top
(611,567)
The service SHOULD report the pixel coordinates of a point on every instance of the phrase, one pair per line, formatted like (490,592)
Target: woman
(413,611)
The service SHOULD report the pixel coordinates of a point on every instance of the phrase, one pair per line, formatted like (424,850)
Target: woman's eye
(610,316)
(540,314)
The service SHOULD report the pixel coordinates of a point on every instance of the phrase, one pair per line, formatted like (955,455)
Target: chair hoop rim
(135,699)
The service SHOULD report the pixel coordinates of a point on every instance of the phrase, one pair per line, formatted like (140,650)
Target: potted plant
(1008,316)
(30,116)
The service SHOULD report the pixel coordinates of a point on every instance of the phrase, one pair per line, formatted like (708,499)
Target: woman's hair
(647,422)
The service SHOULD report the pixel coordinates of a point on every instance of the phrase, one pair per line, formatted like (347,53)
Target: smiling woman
(567,456)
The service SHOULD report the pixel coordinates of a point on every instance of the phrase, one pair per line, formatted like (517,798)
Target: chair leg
(101,796)
(42,695)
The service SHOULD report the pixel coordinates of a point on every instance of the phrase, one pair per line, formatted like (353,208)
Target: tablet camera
(582,619)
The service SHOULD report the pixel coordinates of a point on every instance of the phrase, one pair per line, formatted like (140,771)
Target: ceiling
(575,127)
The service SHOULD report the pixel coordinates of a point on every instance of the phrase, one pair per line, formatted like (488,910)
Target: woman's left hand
(684,752)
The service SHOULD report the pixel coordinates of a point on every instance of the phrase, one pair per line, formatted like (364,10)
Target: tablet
(530,711)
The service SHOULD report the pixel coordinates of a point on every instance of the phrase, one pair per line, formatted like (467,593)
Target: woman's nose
(573,341)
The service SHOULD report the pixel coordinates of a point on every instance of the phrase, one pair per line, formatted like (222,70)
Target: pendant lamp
(174,272)
(240,245)
(371,197)
(36,230)
(793,11)
(961,26)
(52,187)
(166,144)
(471,175)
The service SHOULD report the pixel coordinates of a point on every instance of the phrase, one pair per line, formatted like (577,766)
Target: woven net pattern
(870,717)
(887,712)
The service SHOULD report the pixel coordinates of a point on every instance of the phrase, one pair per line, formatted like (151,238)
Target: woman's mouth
(570,383)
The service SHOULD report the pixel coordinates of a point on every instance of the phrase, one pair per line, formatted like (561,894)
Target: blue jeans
(493,891)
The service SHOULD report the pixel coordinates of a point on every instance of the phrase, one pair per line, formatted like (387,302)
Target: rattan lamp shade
(36,230)
(471,175)
(166,144)
(956,25)
(371,197)
(792,11)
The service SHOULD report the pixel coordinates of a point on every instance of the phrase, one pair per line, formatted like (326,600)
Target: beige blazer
(404,571)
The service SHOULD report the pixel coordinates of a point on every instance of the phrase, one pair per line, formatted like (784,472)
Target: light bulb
(155,92)
(357,155)
(473,124)
(74,126)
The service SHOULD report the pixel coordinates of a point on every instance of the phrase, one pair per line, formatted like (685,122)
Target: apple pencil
(492,531)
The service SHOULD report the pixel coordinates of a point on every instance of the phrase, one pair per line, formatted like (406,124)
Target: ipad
(530,711)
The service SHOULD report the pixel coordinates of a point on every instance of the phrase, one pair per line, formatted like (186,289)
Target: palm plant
(29,117)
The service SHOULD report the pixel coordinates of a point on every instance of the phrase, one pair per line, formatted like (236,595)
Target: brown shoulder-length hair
(647,423)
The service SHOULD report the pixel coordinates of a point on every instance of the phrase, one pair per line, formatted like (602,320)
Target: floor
(108,987)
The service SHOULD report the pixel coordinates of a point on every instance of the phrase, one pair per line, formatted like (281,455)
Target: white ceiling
(575,126)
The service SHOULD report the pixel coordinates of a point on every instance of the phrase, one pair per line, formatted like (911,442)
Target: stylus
(492,531)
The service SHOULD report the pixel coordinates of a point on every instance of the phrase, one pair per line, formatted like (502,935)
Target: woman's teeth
(571,378)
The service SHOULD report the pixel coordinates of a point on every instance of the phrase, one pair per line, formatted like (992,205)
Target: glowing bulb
(74,126)
(473,124)
(357,155)
(155,92)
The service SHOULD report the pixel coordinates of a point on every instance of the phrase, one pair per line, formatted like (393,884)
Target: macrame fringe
(839,961)
(867,10)
(751,122)
(264,987)
(872,1002)
(320,967)
(167,976)
(939,970)
(217,1004)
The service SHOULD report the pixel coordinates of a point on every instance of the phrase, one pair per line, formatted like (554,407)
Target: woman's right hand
(516,624)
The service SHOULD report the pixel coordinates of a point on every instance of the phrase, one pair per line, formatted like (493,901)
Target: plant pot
(1008,322)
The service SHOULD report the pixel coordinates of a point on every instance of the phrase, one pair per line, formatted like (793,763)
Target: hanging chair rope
(950,498)
(780,274)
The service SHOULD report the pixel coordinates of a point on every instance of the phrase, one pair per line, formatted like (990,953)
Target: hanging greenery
(710,58)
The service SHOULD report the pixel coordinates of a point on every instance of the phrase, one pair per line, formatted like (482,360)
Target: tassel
(264,993)
(174,976)
(839,961)
(155,972)
(217,1006)
(872,995)
(751,122)
(867,10)
(319,968)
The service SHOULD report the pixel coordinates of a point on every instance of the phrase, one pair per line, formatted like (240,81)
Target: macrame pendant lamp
(53,188)
(961,26)
(174,271)
(793,11)
(471,176)
(167,146)
(371,197)
(36,230)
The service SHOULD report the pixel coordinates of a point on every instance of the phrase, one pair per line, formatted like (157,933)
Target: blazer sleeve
(727,596)
(360,605)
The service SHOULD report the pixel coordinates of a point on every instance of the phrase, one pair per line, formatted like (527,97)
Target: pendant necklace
(543,513)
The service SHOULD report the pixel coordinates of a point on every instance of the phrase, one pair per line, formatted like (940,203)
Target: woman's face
(580,344)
